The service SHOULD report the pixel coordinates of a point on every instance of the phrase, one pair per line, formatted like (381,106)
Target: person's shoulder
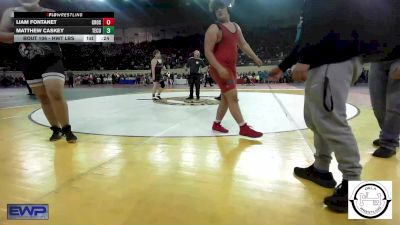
(9,12)
(11,9)
(48,10)
(236,25)
(213,27)
(6,20)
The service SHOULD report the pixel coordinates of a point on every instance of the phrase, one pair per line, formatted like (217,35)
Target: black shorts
(158,78)
(36,71)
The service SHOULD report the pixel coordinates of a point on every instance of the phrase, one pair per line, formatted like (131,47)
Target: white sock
(242,123)
(217,121)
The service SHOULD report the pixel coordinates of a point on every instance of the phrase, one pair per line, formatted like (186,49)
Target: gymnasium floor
(180,175)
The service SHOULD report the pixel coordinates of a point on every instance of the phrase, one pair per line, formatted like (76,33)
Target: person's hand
(275,74)
(258,62)
(396,74)
(300,72)
(223,73)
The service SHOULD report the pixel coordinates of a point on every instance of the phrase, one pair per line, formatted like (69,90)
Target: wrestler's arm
(5,27)
(211,39)
(245,47)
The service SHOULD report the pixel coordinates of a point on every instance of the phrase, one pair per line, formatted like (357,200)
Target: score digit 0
(108,22)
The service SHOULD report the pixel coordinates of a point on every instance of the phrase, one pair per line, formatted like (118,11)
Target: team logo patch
(187,102)
(370,200)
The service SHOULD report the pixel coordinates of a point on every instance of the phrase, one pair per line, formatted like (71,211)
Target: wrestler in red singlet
(221,49)
(226,53)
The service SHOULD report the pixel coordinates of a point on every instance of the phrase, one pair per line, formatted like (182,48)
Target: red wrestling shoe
(218,127)
(247,131)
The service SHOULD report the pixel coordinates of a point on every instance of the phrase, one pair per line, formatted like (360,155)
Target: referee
(194,64)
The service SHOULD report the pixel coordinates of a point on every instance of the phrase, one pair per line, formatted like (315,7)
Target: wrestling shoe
(324,179)
(57,134)
(71,138)
(218,127)
(339,200)
(247,131)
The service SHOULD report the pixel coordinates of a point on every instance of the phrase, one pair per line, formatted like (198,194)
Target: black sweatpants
(194,79)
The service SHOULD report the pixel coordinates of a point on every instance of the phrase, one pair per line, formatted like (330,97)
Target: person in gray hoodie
(334,38)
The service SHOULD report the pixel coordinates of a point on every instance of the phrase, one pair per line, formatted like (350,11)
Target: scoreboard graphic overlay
(64,27)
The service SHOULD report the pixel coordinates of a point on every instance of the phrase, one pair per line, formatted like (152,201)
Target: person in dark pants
(70,79)
(335,37)
(208,79)
(194,64)
(158,81)
(30,93)
(101,79)
(384,86)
